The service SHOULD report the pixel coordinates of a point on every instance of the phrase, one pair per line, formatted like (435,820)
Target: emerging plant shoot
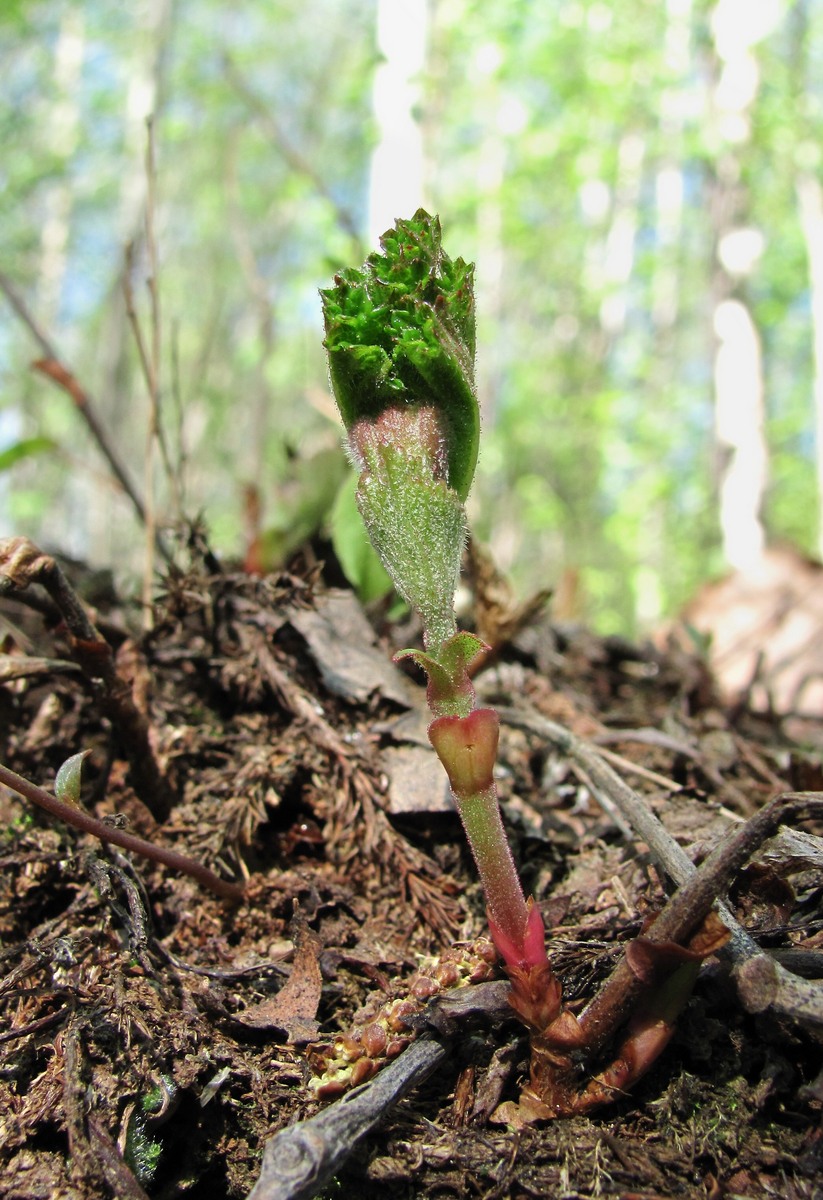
(400,340)
(400,336)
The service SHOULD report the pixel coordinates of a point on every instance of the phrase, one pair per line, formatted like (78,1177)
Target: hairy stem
(480,814)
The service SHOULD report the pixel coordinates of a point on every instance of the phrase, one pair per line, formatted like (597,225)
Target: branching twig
(667,853)
(655,737)
(293,157)
(53,368)
(761,982)
(150,363)
(688,906)
(299,1160)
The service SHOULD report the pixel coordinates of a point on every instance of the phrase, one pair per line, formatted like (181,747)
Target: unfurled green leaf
(25,448)
(450,690)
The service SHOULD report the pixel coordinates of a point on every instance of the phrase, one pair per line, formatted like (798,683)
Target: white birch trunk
(396,187)
(619,250)
(810,199)
(737,25)
(739,418)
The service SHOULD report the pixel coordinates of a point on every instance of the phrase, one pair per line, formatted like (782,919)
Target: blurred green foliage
(573,151)
(354,551)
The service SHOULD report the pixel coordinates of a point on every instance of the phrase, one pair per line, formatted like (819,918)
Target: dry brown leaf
(294,1008)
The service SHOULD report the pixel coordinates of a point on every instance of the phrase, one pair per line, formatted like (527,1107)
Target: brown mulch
(153,1036)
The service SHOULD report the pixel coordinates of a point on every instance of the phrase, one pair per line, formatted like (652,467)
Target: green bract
(417,526)
(400,331)
(67,780)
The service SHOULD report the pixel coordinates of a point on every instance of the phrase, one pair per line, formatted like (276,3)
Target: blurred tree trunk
(739,416)
(63,125)
(669,188)
(619,251)
(810,208)
(738,370)
(810,197)
(396,187)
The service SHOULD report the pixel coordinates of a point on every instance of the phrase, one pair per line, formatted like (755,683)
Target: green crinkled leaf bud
(400,332)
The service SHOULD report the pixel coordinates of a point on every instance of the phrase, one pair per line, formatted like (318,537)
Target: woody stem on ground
(690,904)
(762,983)
(79,819)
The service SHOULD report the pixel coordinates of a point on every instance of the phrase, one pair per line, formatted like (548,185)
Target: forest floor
(153,1036)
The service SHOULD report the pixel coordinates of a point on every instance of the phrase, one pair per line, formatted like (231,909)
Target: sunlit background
(639,185)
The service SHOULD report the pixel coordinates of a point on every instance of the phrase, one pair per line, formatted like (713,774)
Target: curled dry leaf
(294,1008)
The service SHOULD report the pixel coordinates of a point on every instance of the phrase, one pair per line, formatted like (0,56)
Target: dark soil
(146,1044)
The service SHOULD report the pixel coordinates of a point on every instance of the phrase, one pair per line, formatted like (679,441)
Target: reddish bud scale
(362,1071)
(374,1039)
(530,950)
(467,748)
(417,429)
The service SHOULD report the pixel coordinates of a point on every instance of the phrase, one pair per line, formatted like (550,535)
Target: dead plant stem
(688,906)
(761,982)
(293,157)
(54,369)
(298,1160)
(79,819)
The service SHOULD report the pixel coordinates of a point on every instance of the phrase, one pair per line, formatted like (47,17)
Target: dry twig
(761,982)
(298,1160)
(150,364)
(294,157)
(118,837)
(54,369)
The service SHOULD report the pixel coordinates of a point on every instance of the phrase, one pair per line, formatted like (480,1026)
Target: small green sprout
(68,778)
(141,1152)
